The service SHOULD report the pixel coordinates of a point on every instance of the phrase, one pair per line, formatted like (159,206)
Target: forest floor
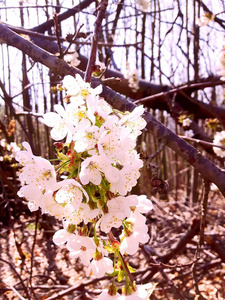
(168,260)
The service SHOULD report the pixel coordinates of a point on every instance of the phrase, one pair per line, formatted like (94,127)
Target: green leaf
(120,275)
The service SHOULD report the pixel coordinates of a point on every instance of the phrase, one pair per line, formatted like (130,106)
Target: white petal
(51,119)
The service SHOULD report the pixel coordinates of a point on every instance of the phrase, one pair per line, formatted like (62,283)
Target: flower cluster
(143,5)
(132,77)
(205,19)
(219,140)
(72,59)
(88,189)
(8,150)
(186,122)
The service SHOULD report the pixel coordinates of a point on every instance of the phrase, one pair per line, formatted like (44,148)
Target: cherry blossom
(138,234)
(97,166)
(82,247)
(106,296)
(100,267)
(219,139)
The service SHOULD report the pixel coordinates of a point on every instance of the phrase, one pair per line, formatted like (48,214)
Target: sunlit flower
(106,296)
(82,247)
(142,292)
(93,167)
(100,267)
(219,139)
(78,87)
(138,234)
(134,121)
(61,125)
(118,210)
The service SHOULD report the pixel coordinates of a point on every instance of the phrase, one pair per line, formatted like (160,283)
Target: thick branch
(202,165)
(152,95)
(70,12)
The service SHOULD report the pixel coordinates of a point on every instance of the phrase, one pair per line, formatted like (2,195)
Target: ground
(168,260)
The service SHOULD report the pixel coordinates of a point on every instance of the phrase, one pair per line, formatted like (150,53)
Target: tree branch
(94,44)
(202,165)
(70,12)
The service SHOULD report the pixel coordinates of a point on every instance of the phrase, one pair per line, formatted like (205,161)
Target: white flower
(38,198)
(132,77)
(86,140)
(70,193)
(189,133)
(105,296)
(128,178)
(104,109)
(143,292)
(219,139)
(62,236)
(13,148)
(82,247)
(143,5)
(83,213)
(186,122)
(37,171)
(144,204)
(93,167)
(205,19)
(78,87)
(134,121)
(77,116)
(72,59)
(130,244)
(100,267)
(118,209)
(62,126)
(110,144)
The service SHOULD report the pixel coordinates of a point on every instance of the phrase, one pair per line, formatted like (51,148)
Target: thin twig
(16,292)
(72,40)
(201,142)
(98,24)
(57,33)
(18,275)
(204,204)
(32,252)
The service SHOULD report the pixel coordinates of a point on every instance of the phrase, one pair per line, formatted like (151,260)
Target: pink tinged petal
(100,267)
(142,237)
(129,245)
(32,206)
(132,200)
(27,146)
(59,131)
(60,110)
(23,157)
(84,256)
(61,236)
(98,90)
(144,204)
(105,296)
(112,174)
(51,119)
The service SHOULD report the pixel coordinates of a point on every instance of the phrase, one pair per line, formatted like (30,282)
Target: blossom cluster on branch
(89,187)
